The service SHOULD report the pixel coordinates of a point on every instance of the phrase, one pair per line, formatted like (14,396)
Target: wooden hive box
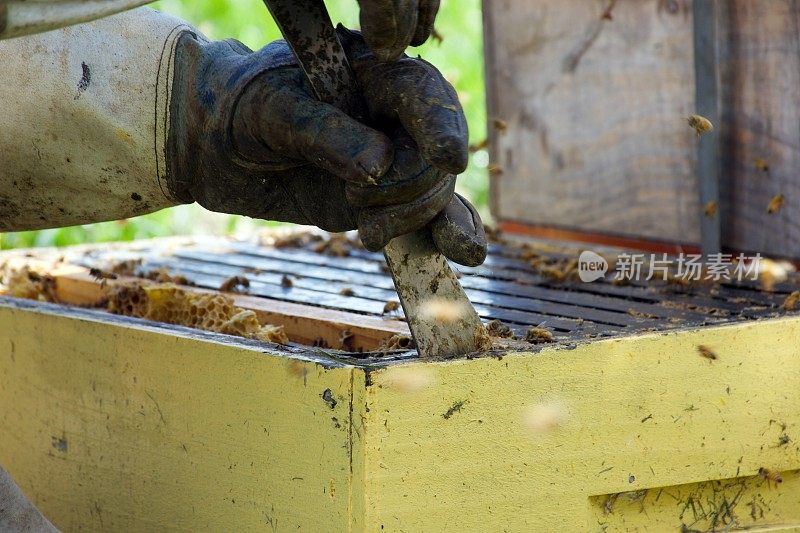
(654,409)
(597,143)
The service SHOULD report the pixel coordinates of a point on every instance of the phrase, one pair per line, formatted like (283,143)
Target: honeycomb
(174,305)
(22,282)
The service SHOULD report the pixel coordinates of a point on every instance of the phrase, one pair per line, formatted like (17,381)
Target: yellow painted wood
(636,413)
(112,426)
(121,428)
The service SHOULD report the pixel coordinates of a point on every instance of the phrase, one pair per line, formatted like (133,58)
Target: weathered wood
(597,139)
(303,324)
(120,426)
(596,111)
(760,92)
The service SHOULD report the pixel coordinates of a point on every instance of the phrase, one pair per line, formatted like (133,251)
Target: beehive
(614,418)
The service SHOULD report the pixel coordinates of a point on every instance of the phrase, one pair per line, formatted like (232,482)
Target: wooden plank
(111,427)
(541,443)
(304,324)
(760,86)
(596,112)
(706,72)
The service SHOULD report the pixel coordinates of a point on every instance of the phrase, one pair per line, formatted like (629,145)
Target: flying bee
(286,282)
(710,209)
(707,352)
(770,476)
(700,124)
(607,14)
(761,164)
(436,36)
(478,146)
(775,204)
(101,275)
(390,307)
(499,124)
(495,169)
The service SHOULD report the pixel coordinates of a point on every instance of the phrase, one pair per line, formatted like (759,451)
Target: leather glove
(390,26)
(247,136)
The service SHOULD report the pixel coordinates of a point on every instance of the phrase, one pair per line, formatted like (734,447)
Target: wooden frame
(119,424)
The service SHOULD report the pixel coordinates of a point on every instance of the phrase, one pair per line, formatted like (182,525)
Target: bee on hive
(770,476)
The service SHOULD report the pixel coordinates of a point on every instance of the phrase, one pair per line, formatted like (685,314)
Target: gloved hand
(247,136)
(390,26)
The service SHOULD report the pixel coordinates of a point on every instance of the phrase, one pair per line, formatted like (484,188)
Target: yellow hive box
(112,423)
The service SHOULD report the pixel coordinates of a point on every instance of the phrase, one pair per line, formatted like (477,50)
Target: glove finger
(408,177)
(458,233)
(414,92)
(378,225)
(427,16)
(304,128)
(388,26)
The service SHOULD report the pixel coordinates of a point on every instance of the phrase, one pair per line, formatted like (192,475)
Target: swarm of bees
(700,124)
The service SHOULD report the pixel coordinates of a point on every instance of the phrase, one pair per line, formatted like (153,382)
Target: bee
(478,146)
(298,370)
(761,164)
(791,302)
(495,169)
(539,335)
(607,14)
(775,204)
(101,275)
(700,124)
(232,283)
(390,307)
(442,311)
(770,476)
(499,124)
(710,209)
(495,328)
(286,282)
(707,352)
(347,291)
(436,36)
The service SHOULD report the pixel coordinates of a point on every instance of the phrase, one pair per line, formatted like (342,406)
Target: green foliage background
(459,56)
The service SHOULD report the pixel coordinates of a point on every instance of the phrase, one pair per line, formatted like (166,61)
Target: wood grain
(760,92)
(597,139)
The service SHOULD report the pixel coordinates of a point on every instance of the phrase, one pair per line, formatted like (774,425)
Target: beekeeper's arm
(137,112)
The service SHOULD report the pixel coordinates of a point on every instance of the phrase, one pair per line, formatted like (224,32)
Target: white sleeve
(84,114)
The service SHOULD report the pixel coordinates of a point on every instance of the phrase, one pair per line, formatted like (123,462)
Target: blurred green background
(459,56)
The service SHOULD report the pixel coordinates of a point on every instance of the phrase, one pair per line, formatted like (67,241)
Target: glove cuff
(209,80)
